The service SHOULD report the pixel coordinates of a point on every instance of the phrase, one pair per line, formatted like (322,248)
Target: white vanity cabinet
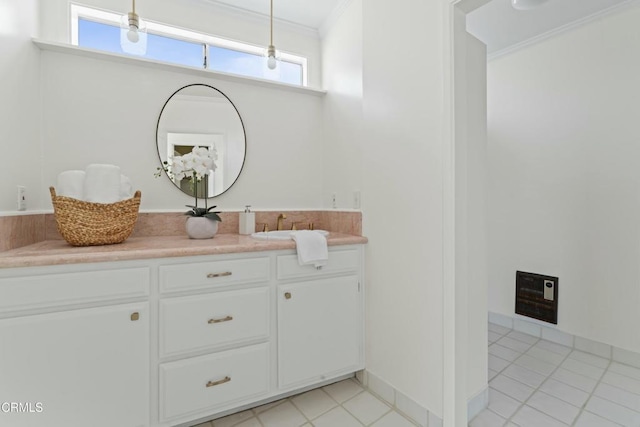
(166,342)
(68,359)
(239,330)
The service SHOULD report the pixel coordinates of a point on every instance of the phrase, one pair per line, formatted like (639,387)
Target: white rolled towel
(126,189)
(102,183)
(71,184)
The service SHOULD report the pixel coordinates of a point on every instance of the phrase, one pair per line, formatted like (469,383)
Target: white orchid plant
(196,167)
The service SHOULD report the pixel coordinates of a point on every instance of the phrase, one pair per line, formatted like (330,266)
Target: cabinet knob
(287,295)
(135,316)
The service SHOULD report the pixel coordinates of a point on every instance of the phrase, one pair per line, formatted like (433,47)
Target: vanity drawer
(45,290)
(213,381)
(339,261)
(213,274)
(207,321)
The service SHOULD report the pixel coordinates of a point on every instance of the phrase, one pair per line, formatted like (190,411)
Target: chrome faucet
(279,225)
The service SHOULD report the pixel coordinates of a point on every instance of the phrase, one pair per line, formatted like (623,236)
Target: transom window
(97,29)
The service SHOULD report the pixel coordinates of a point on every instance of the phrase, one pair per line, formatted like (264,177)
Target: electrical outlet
(356,199)
(334,204)
(22,198)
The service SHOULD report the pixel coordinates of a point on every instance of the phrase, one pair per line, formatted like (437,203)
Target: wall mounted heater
(537,296)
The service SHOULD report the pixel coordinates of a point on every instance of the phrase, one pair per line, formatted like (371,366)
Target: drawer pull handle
(222,319)
(135,316)
(215,383)
(214,275)
(287,295)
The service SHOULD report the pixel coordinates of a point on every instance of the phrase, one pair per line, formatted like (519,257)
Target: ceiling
(497,24)
(502,28)
(308,13)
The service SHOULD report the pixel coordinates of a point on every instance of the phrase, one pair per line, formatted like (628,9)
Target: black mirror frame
(244,132)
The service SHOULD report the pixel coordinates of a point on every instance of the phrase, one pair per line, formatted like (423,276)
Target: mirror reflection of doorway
(179,144)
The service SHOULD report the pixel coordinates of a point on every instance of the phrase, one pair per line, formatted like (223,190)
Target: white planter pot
(199,227)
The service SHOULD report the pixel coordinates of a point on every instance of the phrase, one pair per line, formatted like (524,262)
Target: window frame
(110,18)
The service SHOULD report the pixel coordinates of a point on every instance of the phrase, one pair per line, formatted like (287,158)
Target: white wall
(198,15)
(342,79)
(20,106)
(564,144)
(86,110)
(98,111)
(471,217)
(402,195)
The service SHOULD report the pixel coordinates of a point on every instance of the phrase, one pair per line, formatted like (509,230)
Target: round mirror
(199,115)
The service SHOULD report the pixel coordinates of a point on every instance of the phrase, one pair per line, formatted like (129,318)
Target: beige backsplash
(22,230)
(172,224)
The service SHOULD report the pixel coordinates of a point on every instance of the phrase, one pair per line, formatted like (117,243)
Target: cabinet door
(85,367)
(319,330)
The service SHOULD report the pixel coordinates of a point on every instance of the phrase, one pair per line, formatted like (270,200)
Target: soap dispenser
(247,221)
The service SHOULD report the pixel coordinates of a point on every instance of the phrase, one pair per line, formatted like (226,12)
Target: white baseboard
(477,404)
(551,333)
(410,408)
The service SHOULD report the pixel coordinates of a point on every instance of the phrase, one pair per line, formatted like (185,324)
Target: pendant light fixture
(133,24)
(133,32)
(272,58)
(526,4)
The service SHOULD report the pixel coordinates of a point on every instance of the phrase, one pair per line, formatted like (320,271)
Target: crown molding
(333,17)
(620,7)
(263,18)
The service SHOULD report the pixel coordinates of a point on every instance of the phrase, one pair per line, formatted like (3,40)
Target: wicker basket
(91,224)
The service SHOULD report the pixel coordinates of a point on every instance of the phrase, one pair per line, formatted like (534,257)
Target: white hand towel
(312,248)
(71,184)
(102,184)
(126,189)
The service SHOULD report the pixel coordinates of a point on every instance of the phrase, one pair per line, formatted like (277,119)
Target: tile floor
(532,383)
(537,383)
(343,404)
